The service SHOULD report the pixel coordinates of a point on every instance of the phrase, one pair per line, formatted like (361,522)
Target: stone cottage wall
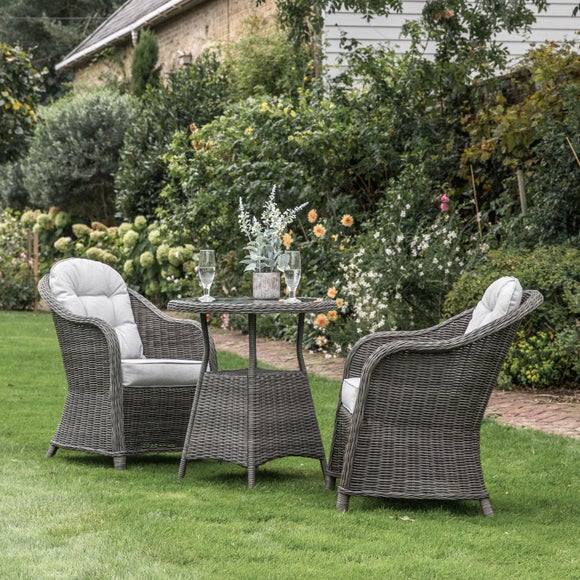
(190,32)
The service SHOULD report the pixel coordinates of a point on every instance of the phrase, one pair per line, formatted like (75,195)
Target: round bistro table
(251,416)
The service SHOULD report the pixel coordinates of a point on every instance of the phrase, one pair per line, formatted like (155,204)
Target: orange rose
(347,220)
(321,321)
(332,292)
(319,230)
(312,216)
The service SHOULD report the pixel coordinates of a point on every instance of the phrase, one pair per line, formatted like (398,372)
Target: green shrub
(20,89)
(75,153)
(13,194)
(16,266)
(529,122)
(190,96)
(263,62)
(144,69)
(546,354)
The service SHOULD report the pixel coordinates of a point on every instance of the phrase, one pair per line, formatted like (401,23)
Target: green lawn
(74,516)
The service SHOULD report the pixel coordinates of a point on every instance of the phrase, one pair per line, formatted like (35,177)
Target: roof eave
(151,18)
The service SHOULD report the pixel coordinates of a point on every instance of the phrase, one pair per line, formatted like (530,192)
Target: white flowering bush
(402,267)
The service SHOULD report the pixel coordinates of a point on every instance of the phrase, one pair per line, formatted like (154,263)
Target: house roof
(131,16)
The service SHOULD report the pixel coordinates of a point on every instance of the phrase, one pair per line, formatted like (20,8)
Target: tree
(53,29)
(460,28)
(75,153)
(144,69)
(20,91)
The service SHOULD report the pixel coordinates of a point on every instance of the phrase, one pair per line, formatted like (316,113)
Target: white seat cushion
(349,393)
(90,288)
(153,372)
(500,298)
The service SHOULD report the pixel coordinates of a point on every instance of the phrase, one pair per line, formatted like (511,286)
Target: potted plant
(265,244)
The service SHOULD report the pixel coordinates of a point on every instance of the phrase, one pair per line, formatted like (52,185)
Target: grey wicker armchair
(123,398)
(414,429)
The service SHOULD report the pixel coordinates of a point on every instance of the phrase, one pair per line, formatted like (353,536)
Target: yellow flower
(332,292)
(334,237)
(287,240)
(347,220)
(319,230)
(332,315)
(321,321)
(312,216)
(339,302)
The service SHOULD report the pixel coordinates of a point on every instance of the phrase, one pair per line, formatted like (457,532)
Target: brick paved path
(536,411)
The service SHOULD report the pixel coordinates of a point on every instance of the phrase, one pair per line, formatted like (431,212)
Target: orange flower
(287,240)
(321,321)
(339,302)
(332,315)
(347,220)
(319,230)
(332,292)
(312,216)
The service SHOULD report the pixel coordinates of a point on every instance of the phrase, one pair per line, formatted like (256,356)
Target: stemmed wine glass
(206,272)
(290,265)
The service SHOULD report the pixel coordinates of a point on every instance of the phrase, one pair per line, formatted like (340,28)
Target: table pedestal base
(251,420)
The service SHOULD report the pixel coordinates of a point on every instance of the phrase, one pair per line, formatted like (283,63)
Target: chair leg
(120,463)
(330,482)
(51,451)
(342,502)
(486,507)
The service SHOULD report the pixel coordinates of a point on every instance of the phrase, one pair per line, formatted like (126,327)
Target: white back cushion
(90,288)
(349,393)
(500,298)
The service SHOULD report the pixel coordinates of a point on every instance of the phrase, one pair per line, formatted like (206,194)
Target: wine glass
(206,273)
(292,270)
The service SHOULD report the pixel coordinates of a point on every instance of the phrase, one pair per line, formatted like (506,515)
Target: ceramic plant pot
(266,285)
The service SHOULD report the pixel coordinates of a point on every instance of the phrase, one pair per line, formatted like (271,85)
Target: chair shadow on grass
(206,470)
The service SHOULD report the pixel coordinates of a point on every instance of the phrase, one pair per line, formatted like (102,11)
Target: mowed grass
(74,516)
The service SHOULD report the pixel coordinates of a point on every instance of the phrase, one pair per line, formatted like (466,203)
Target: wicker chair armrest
(413,362)
(366,346)
(164,336)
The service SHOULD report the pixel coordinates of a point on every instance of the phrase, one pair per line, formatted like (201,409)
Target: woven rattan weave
(251,416)
(415,430)
(100,415)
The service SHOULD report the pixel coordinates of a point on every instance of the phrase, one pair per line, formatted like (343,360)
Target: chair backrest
(92,289)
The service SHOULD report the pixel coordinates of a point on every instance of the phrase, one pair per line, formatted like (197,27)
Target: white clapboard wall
(555,24)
